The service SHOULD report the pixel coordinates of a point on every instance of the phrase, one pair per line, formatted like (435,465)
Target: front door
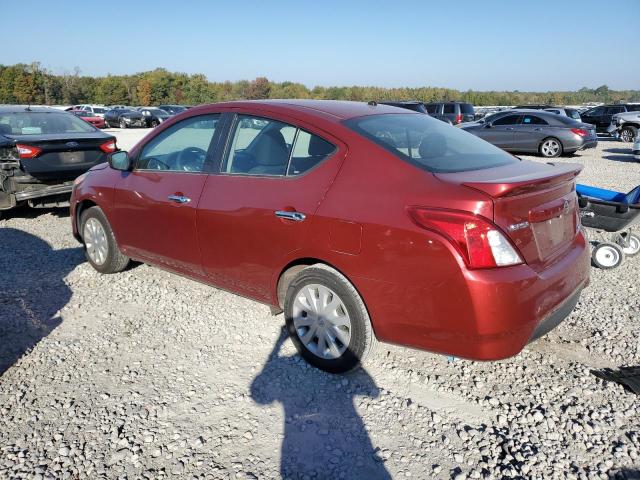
(501,131)
(155,204)
(256,212)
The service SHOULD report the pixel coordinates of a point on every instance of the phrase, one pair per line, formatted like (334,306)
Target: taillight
(481,243)
(580,131)
(459,118)
(28,151)
(108,147)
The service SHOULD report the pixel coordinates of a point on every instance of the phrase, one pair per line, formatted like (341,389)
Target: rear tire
(629,134)
(607,256)
(327,320)
(551,147)
(101,249)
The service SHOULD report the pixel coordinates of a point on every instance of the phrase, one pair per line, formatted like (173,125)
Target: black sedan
(124,118)
(534,131)
(153,116)
(42,150)
(172,109)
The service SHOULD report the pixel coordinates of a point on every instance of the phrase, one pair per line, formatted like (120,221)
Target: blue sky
(464,44)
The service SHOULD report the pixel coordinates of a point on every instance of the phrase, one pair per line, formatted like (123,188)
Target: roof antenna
(372,103)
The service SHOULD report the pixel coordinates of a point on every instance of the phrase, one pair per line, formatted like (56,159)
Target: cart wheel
(630,243)
(607,256)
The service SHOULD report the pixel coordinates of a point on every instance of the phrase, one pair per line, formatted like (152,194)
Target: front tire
(101,248)
(123,124)
(607,256)
(629,134)
(551,147)
(327,320)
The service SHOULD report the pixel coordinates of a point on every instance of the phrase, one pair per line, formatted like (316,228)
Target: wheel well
(290,271)
(81,207)
(629,124)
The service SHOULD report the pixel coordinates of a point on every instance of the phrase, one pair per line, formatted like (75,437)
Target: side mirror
(488,125)
(120,161)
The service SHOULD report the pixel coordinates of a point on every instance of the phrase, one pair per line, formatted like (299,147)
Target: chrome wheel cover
(633,245)
(95,241)
(321,321)
(550,148)
(607,256)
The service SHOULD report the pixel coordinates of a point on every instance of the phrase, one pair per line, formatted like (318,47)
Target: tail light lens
(580,132)
(481,243)
(108,147)
(28,151)
(459,118)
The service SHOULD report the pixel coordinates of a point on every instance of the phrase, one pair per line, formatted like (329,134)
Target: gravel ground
(145,374)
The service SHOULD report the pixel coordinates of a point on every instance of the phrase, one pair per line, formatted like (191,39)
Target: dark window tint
(595,111)
(308,151)
(633,108)
(38,123)
(180,148)
(432,109)
(614,110)
(533,120)
(449,108)
(429,143)
(507,120)
(466,108)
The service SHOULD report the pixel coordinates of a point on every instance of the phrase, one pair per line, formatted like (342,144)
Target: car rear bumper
(9,200)
(481,314)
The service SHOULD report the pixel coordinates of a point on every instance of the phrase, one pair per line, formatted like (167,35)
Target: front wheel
(628,134)
(607,255)
(123,124)
(327,320)
(100,245)
(551,147)
(630,243)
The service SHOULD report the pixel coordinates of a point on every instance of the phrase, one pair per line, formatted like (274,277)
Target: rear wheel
(551,147)
(628,134)
(630,244)
(607,255)
(327,320)
(101,248)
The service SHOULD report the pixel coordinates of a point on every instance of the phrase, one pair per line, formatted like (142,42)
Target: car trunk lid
(535,204)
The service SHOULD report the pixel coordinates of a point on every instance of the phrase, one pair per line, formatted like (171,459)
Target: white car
(98,110)
(636,148)
(567,112)
(625,126)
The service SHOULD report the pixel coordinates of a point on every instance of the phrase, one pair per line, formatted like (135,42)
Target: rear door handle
(295,216)
(179,198)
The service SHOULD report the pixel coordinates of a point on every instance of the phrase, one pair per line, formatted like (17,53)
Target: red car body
(95,120)
(414,281)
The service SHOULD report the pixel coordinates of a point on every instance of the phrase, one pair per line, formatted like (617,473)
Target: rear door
(257,210)
(155,204)
(529,133)
(501,132)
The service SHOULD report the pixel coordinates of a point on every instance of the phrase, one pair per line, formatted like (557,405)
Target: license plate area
(70,158)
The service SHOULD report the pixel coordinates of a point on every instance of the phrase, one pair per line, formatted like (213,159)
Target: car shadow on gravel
(324,437)
(32,291)
(25,212)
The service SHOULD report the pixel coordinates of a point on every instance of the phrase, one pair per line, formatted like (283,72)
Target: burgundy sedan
(361,222)
(90,117)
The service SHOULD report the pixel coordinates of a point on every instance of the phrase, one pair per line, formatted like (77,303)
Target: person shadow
(324,437)
(32,291)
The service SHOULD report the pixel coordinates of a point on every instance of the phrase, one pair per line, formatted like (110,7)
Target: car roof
(336,109)
(28,108)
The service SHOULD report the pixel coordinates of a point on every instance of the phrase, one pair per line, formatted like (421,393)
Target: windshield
(428,143)
(38,123)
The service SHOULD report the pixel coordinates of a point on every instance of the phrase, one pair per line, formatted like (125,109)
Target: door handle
(295,216)
(179,198)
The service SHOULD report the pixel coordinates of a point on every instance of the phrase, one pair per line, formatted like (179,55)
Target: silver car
(534,131)
(567,112)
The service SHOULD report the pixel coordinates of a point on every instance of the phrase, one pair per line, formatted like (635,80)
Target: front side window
(595,111)
(507,120)
(262,146)
(428,143)
(182,147)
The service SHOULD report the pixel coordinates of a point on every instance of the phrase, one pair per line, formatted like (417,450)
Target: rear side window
(466,108)
(432,109)
(449,108)
(507,120)
(428,143)
(263,146)
(614,110)
(533,120)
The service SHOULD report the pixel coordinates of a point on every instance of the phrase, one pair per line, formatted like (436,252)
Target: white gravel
(145,374)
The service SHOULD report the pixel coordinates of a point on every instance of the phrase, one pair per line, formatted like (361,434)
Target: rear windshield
(429,144)
(39,123)
(466,108)
(572,113)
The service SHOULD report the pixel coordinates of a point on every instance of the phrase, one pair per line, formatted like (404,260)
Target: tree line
(33,84)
